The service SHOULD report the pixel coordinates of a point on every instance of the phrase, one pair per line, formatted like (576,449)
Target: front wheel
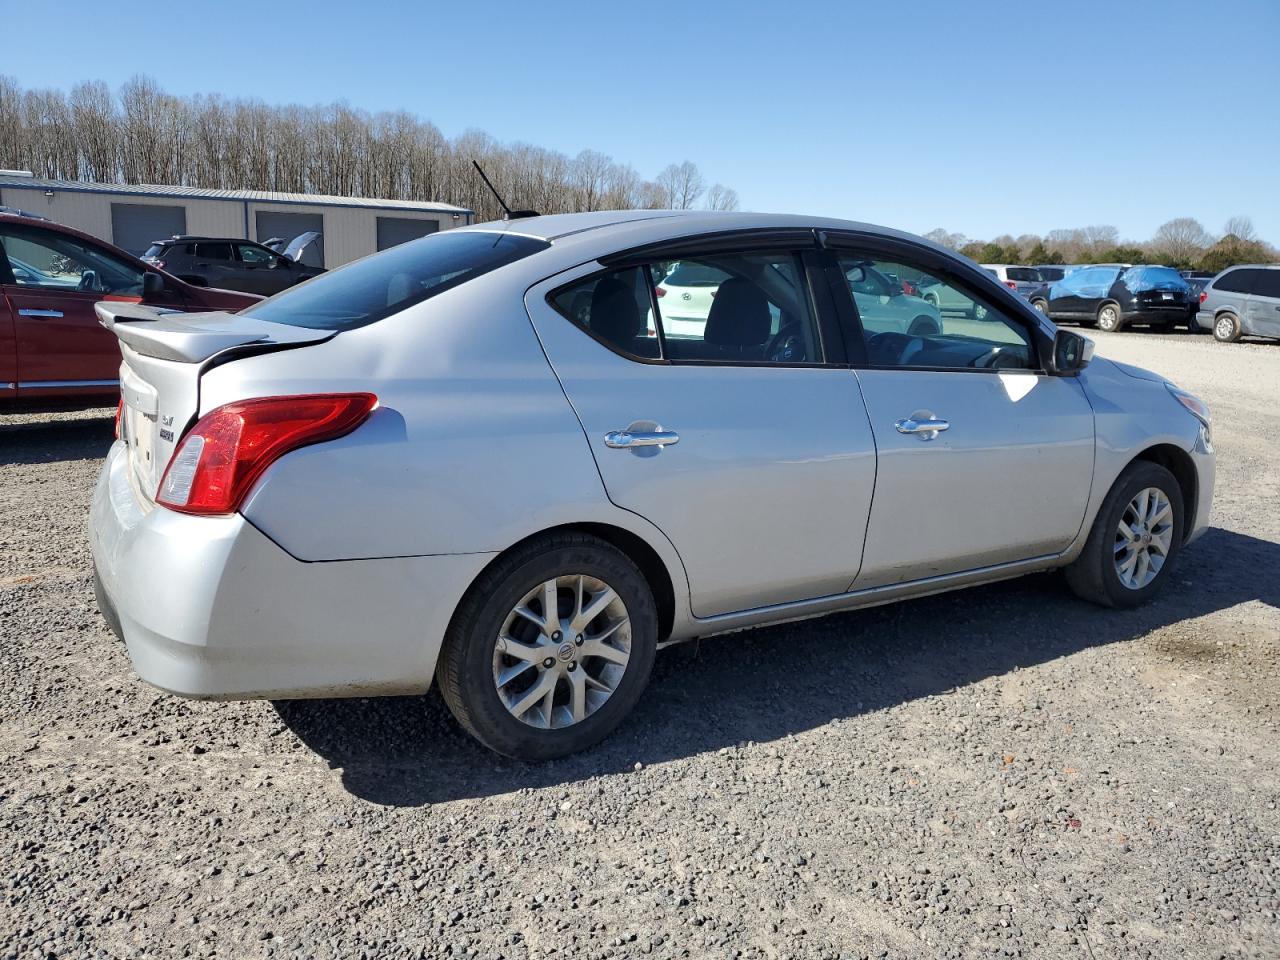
(1109,318)
(551,648)
(1134,540)
(1226,328)
(1040,306)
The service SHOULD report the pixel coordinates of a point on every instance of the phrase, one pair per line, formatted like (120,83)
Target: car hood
(1138,373)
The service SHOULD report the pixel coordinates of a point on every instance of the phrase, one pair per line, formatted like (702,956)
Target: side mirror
(152,283)
(1071,353)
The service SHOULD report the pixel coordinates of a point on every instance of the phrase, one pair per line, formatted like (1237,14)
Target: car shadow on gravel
(768,683)
(47,441)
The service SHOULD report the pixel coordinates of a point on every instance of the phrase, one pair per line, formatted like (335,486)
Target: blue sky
(980,118)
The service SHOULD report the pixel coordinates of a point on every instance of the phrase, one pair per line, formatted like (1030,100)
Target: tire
(1226,328)
(1110,320)
(923,326)
(470,665)
(1095,575)
(1040,306)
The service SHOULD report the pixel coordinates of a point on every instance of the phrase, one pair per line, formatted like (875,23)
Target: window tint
(1023,274)
(54,261)
(945,326)
(255,256)
(737,308)
(1236,281)
(367,290)
(1050,274)
(1267,284)
(614,308)
(213,251)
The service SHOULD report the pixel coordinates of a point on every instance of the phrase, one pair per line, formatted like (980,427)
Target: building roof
(203,193)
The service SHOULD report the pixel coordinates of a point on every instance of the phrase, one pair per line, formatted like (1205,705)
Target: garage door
(134,226)
(397,230)
(271,223)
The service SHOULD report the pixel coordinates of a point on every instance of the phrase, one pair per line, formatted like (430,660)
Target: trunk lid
(164,354)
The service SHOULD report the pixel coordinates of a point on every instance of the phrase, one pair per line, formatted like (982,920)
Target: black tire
(1092,575)
(1109,318)
(1226,328)
(465,668)
(1040,306)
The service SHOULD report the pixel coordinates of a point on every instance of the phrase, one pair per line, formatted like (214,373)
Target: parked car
(885,306)
(53,350)
(1113,297)
(234,264)
(434,461)
(1240,300)
(1020,279)
(946,299)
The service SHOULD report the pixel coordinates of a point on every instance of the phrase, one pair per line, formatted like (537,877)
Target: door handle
(924,429)
(630,439)
(39,313)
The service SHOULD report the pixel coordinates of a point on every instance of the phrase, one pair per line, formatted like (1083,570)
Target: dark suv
(1114,297)
(231,264)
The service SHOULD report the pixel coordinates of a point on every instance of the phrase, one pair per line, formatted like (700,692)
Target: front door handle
(630,439)
(39,313)
(924,429)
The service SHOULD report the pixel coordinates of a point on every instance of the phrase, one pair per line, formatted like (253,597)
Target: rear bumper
(210,607)
(1157,315)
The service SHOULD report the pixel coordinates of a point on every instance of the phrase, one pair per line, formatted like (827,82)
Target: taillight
(660,291)
(218,462)
(1011,284)
(119,416)
(1204,295)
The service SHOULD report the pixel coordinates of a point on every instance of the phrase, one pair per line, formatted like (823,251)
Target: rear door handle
(39,313)
(924,429)
(630,439)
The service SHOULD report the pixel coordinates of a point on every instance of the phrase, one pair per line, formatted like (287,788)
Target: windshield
(154,250)
(368,290)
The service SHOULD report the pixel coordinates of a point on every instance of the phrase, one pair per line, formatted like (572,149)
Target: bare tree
(681,184)
(1181,240)
(720,197)
(1240,227)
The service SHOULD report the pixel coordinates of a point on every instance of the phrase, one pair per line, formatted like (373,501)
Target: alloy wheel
(1224,328)
(1144,538)
(562,651)
(1109,318)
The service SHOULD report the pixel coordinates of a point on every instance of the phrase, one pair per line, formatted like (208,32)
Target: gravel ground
(1000,772)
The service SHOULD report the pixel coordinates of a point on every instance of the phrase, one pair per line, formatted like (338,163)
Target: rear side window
(615,309)
(213,251)
(1023,274)
(1236,281)
(368,290)
(1050,274)
(1267,284)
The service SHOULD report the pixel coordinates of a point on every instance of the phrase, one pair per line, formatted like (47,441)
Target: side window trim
(875,247)
(604,271)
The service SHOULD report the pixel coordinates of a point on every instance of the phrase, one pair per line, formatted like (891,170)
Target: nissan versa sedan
(471,457)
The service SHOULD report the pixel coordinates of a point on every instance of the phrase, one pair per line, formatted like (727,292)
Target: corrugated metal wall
(349,232)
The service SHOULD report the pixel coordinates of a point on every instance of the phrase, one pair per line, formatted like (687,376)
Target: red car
(53,351)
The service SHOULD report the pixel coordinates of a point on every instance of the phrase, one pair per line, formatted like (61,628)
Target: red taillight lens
(1204,295)
(119,416)
(660,291)
(1011,285)
(228,449)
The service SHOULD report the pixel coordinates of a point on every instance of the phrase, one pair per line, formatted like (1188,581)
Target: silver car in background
(1241,300)
(478,457)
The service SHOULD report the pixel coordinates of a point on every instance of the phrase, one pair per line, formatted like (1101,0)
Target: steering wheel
(888,348)
(785,346)
(999,358)
(88,280)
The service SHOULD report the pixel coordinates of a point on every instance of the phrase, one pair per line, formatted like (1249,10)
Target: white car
(885,308)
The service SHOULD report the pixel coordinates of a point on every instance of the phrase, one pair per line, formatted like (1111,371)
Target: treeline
(140,134)
(1183,242)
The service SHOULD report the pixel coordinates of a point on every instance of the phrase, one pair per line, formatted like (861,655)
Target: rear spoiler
(193,337)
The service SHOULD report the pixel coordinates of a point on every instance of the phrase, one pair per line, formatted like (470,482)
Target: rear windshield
(154,250)
(1050,273)
(1023,274)
(378,286)
(1138,279)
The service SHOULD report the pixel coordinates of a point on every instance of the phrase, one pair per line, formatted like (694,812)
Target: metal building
(133,215)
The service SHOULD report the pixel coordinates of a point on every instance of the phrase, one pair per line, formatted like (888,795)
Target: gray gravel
(1002,772)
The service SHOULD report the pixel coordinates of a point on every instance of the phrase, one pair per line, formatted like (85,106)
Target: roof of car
(189,238)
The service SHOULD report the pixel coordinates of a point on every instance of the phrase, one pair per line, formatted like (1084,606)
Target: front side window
(368,290)
(941,326)
(1235,281)
(255,256)
(213,251)
(54,261)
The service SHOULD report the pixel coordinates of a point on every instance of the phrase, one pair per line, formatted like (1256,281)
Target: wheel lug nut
(556,636)
(573,665)
(578,639)
(548,663)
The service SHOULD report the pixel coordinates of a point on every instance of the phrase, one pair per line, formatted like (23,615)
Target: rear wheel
(551,648)
(1109,318)
(1040,306)
(1134,539)
(1226,328)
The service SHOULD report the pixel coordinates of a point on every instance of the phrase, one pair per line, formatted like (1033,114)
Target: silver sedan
(479,457)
